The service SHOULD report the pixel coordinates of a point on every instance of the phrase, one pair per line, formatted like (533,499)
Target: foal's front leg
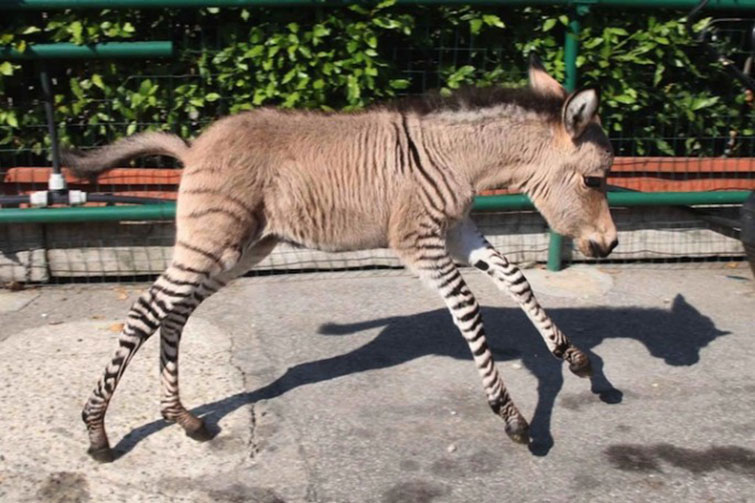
(466,243)
(422,248)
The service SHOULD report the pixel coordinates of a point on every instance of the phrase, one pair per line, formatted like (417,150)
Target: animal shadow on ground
(675,335)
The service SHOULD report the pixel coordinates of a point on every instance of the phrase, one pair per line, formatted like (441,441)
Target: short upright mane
(476,98)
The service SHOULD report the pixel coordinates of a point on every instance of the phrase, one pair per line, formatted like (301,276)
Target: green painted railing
(167,211)
(157,4)
(104,50)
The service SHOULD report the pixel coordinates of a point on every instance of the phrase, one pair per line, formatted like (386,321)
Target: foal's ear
(579,110)
(541,82)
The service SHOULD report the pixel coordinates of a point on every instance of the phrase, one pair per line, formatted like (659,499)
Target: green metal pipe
(522,202)
(155,4)
(571,51)
(167,211)
(501,203)
(677,198)
(152,49)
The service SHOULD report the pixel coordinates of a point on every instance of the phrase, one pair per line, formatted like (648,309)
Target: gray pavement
(355,387)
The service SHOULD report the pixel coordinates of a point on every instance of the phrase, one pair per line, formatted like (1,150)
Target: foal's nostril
(613,245)
(595,250)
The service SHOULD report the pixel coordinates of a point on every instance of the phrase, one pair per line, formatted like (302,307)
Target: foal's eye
(594,182)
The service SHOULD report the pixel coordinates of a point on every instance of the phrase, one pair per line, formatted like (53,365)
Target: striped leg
(466,243)
(143,319)
(170,336)
(423,251)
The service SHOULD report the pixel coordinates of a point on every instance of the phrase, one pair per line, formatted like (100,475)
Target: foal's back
(321,180)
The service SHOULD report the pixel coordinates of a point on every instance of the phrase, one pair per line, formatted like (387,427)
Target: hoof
(200,434)
(581,368)
(611,395)
(518,430)
(101,454)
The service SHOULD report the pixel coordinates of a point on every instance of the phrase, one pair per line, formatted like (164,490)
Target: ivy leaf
(699,103)
(658,75)
(289,75)
(76,29)
(384,4)
(592,43)
(399,83)
(459,76)
(252,53)
(146,88)
(549,24)
(320,31)
(97,81)
(353,92)
(291,99)
(493,20)
(76,89)
(664,147)
(6,68)
(475,25)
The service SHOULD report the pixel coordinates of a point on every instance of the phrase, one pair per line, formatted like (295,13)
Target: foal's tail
(87,164)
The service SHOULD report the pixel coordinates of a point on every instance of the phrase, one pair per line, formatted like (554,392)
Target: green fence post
(571,49)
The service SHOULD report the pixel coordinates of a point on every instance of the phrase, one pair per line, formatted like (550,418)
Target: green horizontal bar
(676,198)
(485,203)
(498,203)
(165,211)
(65,50)
(522,202)
(112,4)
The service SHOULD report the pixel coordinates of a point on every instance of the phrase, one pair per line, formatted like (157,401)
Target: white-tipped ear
(541,82)
(579,110)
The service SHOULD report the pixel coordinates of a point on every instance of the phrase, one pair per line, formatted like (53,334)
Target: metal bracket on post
(56,182)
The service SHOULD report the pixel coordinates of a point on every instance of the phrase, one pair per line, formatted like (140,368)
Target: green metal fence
(422,76)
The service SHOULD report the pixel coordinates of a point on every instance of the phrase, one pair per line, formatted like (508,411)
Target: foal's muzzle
(600,250)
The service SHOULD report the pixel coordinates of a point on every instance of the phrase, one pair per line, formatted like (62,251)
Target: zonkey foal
(402,176)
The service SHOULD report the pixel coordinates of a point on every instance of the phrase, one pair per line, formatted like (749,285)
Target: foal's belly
(339,230)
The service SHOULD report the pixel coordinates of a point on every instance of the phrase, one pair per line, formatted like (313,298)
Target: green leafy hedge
(660,95)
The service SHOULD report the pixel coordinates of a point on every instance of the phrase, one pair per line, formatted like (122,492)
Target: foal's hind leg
(170,336)
(145,316)
(199,260)
(467,244)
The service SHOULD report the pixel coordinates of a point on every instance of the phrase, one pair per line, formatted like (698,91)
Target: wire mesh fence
(134,251)
(700,148)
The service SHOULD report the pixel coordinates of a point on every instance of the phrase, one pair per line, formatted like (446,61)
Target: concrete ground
(357,388)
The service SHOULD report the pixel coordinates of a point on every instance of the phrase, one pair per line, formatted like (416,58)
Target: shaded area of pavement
(338,388)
